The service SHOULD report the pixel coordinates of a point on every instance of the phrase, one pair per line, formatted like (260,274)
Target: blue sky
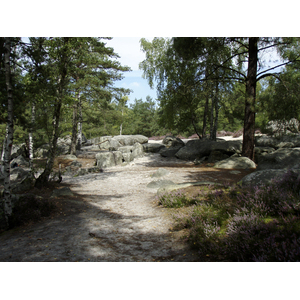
(131,55)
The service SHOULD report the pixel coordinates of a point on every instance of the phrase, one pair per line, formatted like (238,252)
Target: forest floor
(112,217)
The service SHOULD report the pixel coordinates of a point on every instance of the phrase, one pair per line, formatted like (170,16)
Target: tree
(9,131)
(244,53)
(60,63)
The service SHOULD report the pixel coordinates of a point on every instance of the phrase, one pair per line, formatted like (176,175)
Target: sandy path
(118,221)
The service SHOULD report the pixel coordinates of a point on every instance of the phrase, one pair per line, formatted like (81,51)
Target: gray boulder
(235,163)
(159,183)
(126,153)
(280,127)
(216,156)
(19,172)
(170,152)
(160,173)
(130,140)
(107,159)
(286,141)
(283,158)
(21,161)
(153,147)
(196,149)
(263,177)
(137,150)
(172,141)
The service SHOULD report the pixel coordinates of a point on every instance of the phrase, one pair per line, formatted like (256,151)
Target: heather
(235,223)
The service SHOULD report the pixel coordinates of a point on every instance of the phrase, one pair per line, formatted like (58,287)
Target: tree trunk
(249,120)
(216,108)
(74,126)
(9,133)
(205,118)
(79,142)
(31,135)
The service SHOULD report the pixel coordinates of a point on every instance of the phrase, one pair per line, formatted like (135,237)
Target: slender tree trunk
(31,135)
(74,125)
(212,133)
(205,118)
(79,125)
(216,108)
(9,133)
(249,121)
(2,154)
(195,127)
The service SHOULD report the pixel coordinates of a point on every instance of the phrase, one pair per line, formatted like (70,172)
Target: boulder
(172,141)
(160,173)
(170,152)
(137,150)
(18,150)
(196,149)
(216,156)
(235,163)
(126,153)
(42,151)
(159,183)
(286,141)
(280,127)
(263,177)
(107,159)
(130,140)
(283,158)
(153,147)
(20,161)
(19,172)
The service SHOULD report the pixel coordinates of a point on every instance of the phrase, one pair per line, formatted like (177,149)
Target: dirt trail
(113,217)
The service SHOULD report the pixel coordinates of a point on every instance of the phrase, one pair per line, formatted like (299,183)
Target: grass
(259,223)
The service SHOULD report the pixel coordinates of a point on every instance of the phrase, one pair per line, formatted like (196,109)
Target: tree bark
(9,133)
(31,135)
(79,142)
(74,125)
(249,120)
(205,118)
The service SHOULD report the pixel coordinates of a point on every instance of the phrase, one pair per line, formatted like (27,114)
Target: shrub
(174,199)
(30,208)
(247,224)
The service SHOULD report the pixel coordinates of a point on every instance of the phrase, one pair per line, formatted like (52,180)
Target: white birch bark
(31,135)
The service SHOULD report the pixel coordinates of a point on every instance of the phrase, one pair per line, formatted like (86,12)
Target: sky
(131,55)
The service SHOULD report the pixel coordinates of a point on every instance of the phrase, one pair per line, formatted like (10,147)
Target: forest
(53,87)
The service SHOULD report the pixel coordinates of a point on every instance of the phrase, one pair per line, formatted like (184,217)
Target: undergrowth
(28,209)
(259,223)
